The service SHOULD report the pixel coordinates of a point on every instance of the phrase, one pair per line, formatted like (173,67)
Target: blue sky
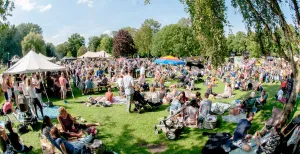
(61,18)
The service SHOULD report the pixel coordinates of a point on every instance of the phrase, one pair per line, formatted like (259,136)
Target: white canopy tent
(31,63)
(99,54)
(45,57)
(15,58)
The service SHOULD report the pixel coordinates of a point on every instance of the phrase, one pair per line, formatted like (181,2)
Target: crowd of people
(140,76)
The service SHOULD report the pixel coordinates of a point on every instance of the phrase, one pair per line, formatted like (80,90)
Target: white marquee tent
(45,57)
(99,54)
(31,63)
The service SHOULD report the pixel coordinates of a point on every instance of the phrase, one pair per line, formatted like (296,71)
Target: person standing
(39,88)
(34,101)
(63,86)
(5,87)
(129,89)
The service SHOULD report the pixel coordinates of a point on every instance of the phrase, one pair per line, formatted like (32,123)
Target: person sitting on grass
(263,98)
(191,113)
(227,91)
(240,136)
(8,108)
(77,147)
(14,140)
(109,95)
(182,98)
(270,142)
(204,110)
(69,124)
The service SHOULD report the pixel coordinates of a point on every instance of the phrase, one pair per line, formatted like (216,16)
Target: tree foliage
(153,24)
(50,50)
(123,44)
(175,40)
(75,42)
(6,7)
(62,49)
(25,28)
(81,51)
(107,44)
(143,40)
(185,22)
(94,42)
(10,42)
(69,54)
(35,42)
(132,31)
(208,19)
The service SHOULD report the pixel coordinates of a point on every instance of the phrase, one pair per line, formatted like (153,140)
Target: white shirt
(120,82)
(142,70)
(31,92)
(280,94)
(128,84)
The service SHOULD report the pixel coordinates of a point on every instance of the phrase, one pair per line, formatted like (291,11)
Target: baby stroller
(25,113)
(172,125)
(140,103)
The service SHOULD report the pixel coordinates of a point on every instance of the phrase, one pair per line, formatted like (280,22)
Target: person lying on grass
(76,147)
(14,140)
(69,124)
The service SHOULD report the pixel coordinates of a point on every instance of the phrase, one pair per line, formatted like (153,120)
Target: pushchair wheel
(171,135)
(156,130)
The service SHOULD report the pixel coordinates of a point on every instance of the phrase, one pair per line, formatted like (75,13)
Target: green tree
(107,44)
(123,44)
(35,42)
(50,50)
(132,31)
(10,42)
(252,46)
(230,41)
(153,24)
(69,54)
(81,51)
(61,50)
(75,42)
(26,28)
(6,7)
(143,40)
(185,22)
(174,40)
(94,42)
(240,42)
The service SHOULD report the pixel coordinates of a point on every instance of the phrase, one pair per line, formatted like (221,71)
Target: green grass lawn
(129,133)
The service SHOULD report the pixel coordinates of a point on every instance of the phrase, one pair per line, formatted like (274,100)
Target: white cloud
(29,5)
(88,2)
(55,36)
(45,8)
(26,5)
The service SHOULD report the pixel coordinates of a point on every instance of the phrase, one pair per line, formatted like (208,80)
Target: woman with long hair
(39,89)
(30,88)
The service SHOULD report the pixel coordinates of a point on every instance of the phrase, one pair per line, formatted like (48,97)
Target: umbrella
(169,60)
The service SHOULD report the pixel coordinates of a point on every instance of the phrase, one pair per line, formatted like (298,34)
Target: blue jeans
(53,143)
(78,145)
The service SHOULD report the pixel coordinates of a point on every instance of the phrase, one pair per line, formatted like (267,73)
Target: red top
(109,96)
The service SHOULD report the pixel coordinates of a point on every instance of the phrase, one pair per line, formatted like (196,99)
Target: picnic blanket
(119,100)
(234,118)
(240,151)
(219,108)
(51,112)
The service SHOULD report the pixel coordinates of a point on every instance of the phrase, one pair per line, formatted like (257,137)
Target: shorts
(239,143)
(64,91)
